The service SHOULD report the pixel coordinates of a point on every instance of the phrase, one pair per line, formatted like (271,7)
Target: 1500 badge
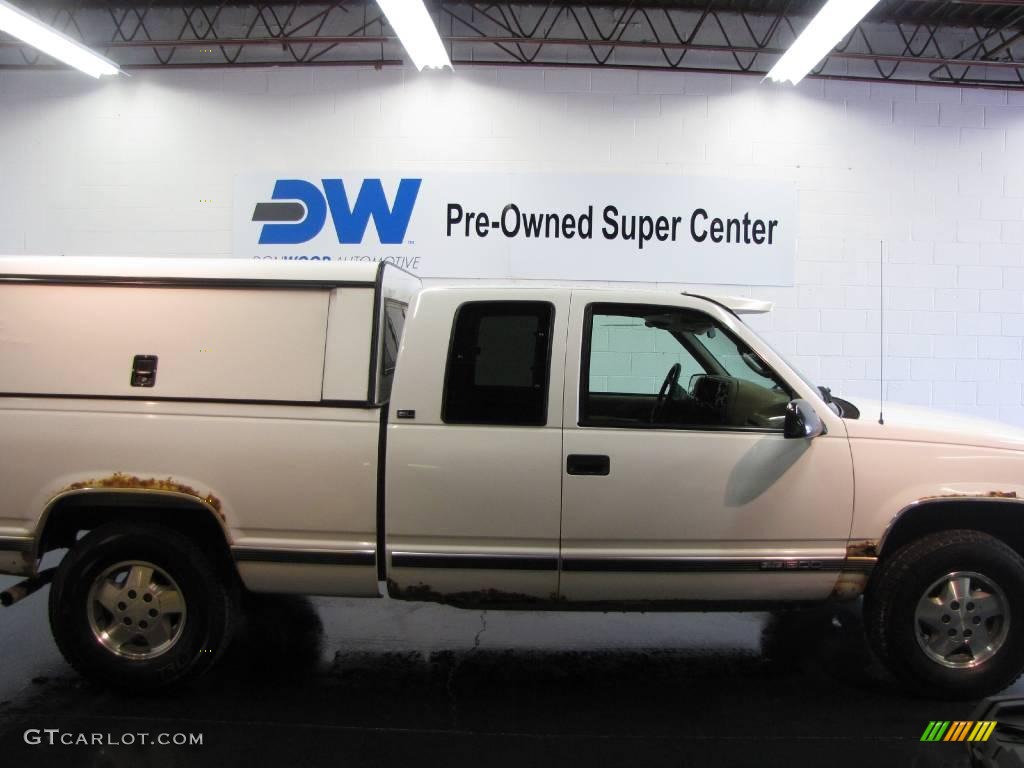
(791,565)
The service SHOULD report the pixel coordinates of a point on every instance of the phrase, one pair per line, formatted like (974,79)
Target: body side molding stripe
(699,565)
(476,561)
(305,557)
(402,559)
(548,563)
(17,544)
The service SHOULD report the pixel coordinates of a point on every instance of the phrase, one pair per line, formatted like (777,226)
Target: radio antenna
(881,330)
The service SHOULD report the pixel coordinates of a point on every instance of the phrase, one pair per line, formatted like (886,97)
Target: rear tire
(946,614)
(140,607)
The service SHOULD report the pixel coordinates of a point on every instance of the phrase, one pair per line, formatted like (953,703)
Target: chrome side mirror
(802,421)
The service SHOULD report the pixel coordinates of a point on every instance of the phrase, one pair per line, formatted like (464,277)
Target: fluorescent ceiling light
(416,30)
(31,30)
(826,29)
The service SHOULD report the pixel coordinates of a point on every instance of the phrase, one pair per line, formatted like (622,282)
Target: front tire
(946,614)
(139,607)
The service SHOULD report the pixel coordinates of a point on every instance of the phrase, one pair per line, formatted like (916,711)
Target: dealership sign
(576,227)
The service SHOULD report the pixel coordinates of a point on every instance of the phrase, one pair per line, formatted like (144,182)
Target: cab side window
(499,364)
(394,322)
(670,367)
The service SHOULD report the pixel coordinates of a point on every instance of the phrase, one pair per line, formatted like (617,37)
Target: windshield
(825,393)
(738,362)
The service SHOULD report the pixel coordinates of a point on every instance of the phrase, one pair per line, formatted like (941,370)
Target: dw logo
(302,212)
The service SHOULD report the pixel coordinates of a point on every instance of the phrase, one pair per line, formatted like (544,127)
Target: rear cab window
(499,364)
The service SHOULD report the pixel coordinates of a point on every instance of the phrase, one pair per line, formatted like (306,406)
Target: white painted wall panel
(146,166)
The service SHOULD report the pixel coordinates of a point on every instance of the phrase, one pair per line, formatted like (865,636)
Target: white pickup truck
(190,428)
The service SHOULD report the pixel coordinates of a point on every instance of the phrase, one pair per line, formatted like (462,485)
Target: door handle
(587,464)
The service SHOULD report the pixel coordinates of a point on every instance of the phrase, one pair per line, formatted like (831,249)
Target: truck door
(679,484)
(474,446)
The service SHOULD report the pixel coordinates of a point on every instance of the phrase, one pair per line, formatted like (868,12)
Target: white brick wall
(937,173)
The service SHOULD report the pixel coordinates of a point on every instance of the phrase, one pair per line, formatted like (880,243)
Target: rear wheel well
(73,516)
(1003,519)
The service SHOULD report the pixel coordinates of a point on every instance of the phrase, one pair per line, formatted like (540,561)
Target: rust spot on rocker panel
(861,557)
(866,548)
(121,480)
(470,599)
(850,585)
(491,598)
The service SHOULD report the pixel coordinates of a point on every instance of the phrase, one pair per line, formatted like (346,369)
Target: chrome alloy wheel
(962,620)
(136,610)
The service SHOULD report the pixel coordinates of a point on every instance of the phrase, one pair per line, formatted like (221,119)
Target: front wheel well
(1001,518)
(73,516)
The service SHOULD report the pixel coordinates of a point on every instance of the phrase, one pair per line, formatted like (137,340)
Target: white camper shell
(163,329)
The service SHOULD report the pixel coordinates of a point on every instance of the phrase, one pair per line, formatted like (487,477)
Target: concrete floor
(365,683)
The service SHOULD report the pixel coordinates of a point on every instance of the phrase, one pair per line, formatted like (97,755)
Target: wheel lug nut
(143,624)
(967,633)
(970,606)
(976,619)
(121,606)
(952,633)
(945,619)
(147,597)
(127,621)
(953,606)
(153,612)
(132,595)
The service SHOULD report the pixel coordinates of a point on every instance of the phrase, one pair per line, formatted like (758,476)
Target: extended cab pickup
(187,429)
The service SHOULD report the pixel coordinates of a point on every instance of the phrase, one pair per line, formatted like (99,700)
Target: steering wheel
(667,387)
